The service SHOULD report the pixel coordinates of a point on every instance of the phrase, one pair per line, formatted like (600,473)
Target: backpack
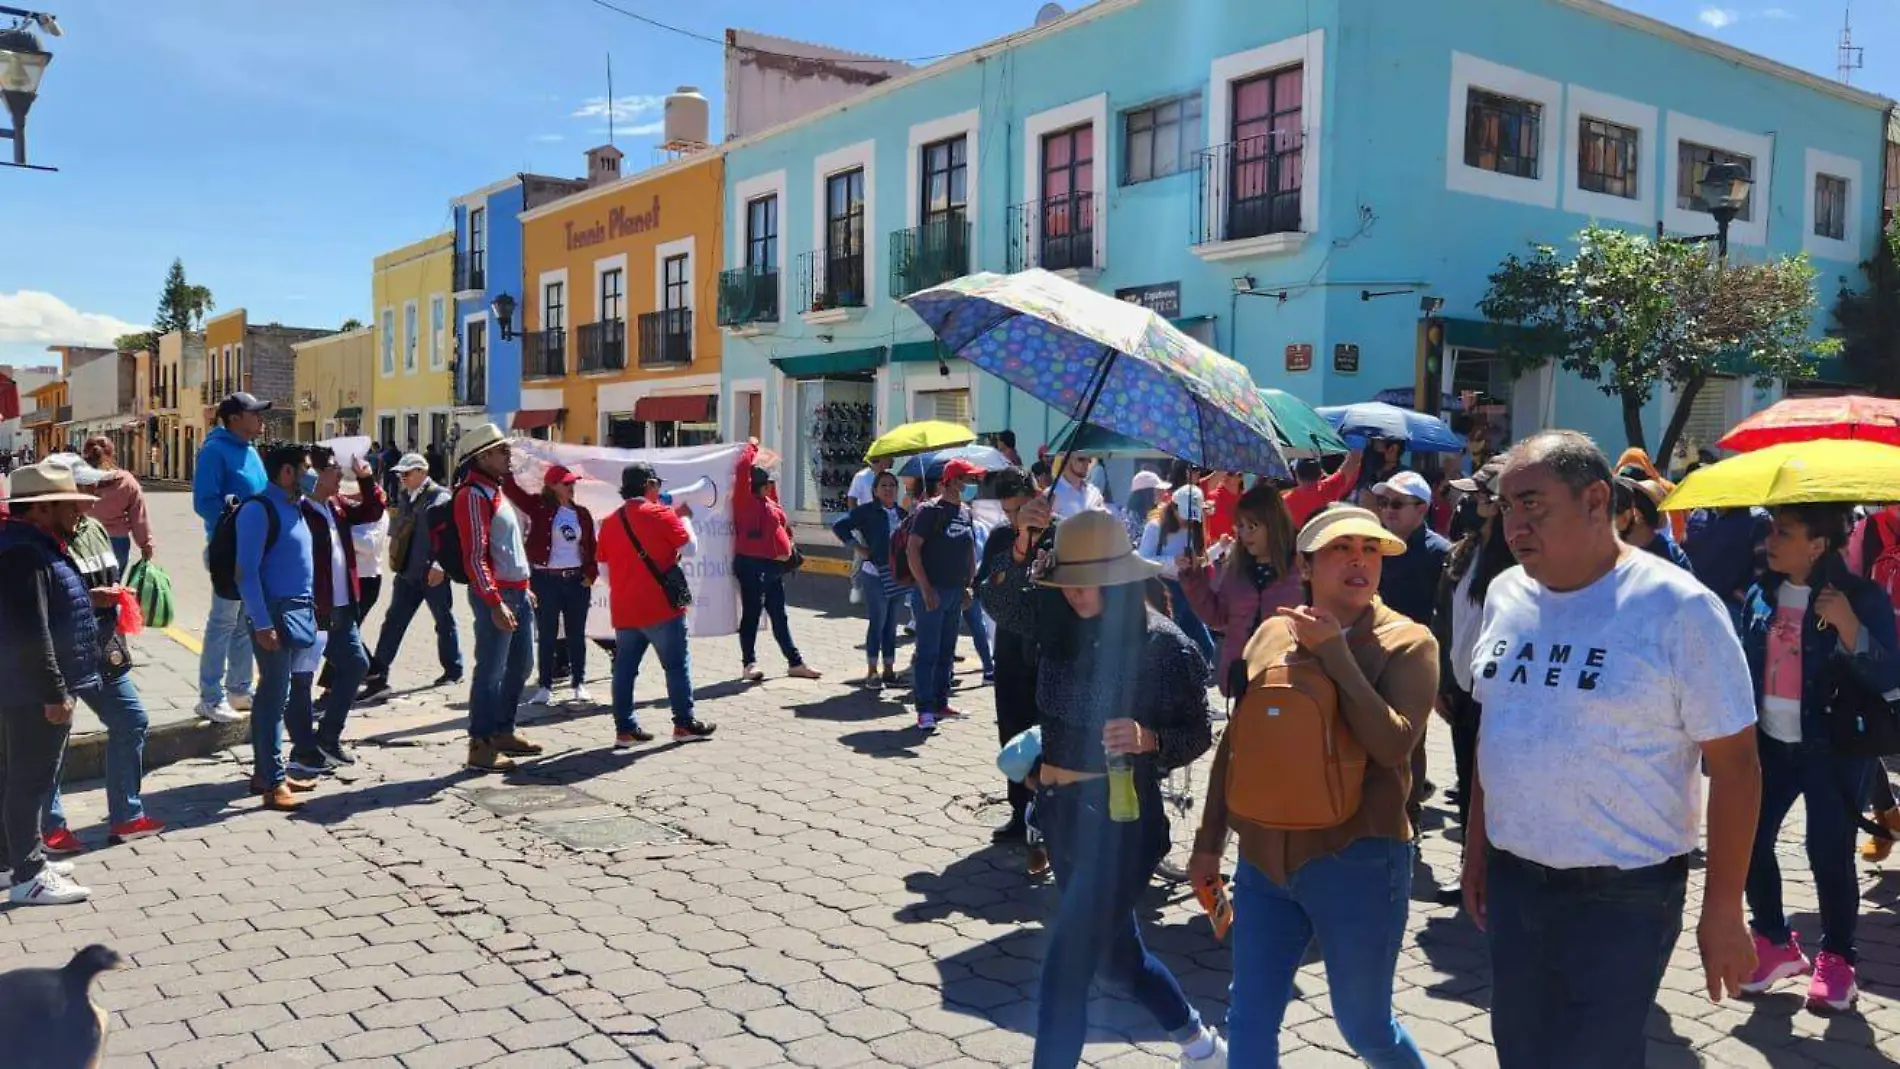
(900,552)
(445,540)
(1293,761)
(221,554)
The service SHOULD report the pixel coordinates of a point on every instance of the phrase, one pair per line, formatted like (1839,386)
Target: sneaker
(751,674)
(219,713)
(580,696)
(138,827)
(512,743)
(627,740)
(61,842)
(1773,964)
(240,702)
(890,678)
(1877,848)
(1833,989)
(870,680)
(541,696)
(989,676)
(803,671)
(336,755)
(64,868)
(483,757)
(372,687)
(308,764)
(694,729)
(49,888)
(926,723)
(446,679)
(1213,1059)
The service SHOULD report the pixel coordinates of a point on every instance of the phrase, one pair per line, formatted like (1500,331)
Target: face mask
(309,483)
(969,491)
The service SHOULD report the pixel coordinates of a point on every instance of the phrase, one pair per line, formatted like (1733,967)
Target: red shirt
(634,596)
(1222,506)
(1303,501)
(760,528)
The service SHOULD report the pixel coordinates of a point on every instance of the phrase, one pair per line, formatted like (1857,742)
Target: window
(412,431)
(945,177)
(439,429)
(409,337)
(950,406)
(1607,158)
(477,244)
(389,341)
(386,429)
(674,284)
(554,307)
(1158,140)
(237,367)
(1503,134)
(844,238)
(1692,162)
(761,233)
(438,321)
(1830,207)
(612,295)
(1269,145)
(1068,203)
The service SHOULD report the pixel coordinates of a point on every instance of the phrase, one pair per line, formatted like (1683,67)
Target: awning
(817,364)
(349,412)
(675,408)
(918,352)
(533,419)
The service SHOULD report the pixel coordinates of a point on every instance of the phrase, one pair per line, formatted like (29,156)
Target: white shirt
(339,569)
(564,539)
(861,486)
(371,539)
(1163,551)
(1595,703)
(1070,501)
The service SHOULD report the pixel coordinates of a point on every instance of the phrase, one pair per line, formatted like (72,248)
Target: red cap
(958,469)
(558,475)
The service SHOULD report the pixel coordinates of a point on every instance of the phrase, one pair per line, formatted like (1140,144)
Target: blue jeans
(1354,902)
(980,634)
(1577,956)
(225,665)
(1832,788)
(1102,869)
(348,665)
(116,701)
(1189,623)
(560,614)
(762,589)
(272,699)
(405,598)
(934,654)
(880,630)
(501,665)
(122,549)
(676,660)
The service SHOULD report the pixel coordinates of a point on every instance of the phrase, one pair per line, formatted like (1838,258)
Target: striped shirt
(492,543)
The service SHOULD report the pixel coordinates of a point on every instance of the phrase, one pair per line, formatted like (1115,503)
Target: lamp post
(1724,188)
(22,65)
(503,307)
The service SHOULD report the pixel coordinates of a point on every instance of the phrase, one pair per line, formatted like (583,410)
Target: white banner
(715,609)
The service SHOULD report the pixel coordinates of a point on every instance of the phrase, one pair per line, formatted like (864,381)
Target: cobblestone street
(815,886)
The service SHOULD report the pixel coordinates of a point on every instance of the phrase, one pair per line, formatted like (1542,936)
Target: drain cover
(507,801)
(979,808)
(610,833)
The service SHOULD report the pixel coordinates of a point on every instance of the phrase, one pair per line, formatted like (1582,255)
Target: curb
(164,745)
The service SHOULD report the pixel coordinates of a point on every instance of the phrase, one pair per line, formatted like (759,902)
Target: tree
(350,324)
(1868,321)
(1632,314)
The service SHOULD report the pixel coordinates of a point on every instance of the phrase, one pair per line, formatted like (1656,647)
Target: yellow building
(46,415)
(179,402)
(412,390)
(620,285)
(335,380)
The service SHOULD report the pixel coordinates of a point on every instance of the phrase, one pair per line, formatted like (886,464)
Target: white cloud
(1778,14)
(623,109)
(1718,18)
(33,317)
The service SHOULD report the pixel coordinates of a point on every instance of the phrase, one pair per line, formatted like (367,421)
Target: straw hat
(479,440)
(43,482)
(1092,549)
(1347,521)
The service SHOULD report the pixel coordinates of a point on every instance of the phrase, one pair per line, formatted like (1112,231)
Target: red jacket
(348,514)
(634,596)
(541,527)
(760,528)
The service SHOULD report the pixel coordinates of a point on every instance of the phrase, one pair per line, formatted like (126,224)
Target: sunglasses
(1394,504)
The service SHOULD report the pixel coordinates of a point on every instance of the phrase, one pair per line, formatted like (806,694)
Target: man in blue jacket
(227,467)
(276,575)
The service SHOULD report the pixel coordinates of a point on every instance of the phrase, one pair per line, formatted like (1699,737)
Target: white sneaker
(1217,1059)
(221,713)
(49,888)
(240,702)
(63,868)
(540,697)
(581,696)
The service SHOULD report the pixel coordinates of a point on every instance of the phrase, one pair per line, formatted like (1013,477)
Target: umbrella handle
(1088,409)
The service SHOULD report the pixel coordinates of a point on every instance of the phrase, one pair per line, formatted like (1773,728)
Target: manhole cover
(611,833)
(507,801)
(984,809)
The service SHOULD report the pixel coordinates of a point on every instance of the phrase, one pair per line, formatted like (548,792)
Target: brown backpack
(1293,762)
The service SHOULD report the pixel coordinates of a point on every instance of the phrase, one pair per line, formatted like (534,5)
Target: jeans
(224,665)
(1576,958)
(1103,869)
(501,665)
(561,601)
(880,630)
(122,549)
(347,664)
(30,750)
(676,660)
(979,625)
(405,598)
(1354,902)
(272,699)
(762,587)
(116,701)
(934,654)
(1189,623)
(1832,788)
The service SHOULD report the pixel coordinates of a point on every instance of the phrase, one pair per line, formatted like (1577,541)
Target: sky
(278,146)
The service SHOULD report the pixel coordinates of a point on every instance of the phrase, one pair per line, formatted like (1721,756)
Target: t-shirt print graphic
(1552,665)
(570,533)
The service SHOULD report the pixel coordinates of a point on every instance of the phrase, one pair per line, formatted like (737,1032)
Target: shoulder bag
(672,581)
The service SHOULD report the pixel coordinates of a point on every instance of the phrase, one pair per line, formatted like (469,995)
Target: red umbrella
(1808,419)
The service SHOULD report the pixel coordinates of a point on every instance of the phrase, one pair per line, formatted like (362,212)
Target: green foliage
(1868,321)
(350,324)
(132,343)
(181,305)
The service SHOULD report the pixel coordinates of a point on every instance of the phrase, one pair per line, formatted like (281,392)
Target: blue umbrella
(931,464)
(1371,419)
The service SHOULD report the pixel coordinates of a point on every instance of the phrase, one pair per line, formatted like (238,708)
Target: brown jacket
(1386,690)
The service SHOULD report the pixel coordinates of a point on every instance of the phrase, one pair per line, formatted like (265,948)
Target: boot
(510,742)
(1877,848)
(483,757)
(282,800)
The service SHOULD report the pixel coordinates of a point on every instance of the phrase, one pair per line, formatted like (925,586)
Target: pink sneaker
(1773,964)
(1833,989)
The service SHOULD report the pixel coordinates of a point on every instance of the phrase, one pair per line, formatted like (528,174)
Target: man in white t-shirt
(1607,676)
(863,483)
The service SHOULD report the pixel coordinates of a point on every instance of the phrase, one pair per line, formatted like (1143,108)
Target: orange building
(619,293)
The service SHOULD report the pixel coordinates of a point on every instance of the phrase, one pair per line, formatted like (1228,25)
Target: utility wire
(683,32)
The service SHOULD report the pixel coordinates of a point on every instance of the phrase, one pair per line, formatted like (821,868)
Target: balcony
(472,390)
(63,414)
(603,346)
(748,296)
(666,338)
(830,285)
(1055,233)
(544,354)
(929,255)
(1247,202)
(471,272)
(39,417)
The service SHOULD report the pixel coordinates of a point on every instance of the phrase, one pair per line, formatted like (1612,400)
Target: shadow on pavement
(906,742)
(853,706)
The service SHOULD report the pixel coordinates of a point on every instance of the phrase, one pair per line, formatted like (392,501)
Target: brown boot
(281,799)
(301,786)
(483,757)
(510,742)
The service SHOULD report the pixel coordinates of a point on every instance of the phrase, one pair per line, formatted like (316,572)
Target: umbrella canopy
(1088,438)
(931,464)
(1799,473)
(1303,431)
(1107,362)
(1809,419)
(1371,419)
(922,436)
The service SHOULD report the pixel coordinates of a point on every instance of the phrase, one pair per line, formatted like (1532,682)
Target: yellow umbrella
(924,436)
(1798,473)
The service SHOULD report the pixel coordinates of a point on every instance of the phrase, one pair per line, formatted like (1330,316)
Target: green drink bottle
(1123,806)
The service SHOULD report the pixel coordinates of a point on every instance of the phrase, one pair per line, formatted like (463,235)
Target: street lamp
(1724,188)
(22,65)
(503,306)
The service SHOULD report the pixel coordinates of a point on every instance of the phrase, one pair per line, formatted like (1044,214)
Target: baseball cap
(633,478)
(1409,483)
(1191,503)
(241,402)
(1484,479)
(1348,521)
(411,462)
(559,475)
(1148,480)
(959,469)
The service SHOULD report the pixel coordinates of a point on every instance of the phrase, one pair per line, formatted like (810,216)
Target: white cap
(411,462)
(1147,480)
(84,474)
(1190,503)
(1409,483)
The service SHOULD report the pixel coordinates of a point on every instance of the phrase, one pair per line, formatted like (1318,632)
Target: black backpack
(445,539)
(221,554)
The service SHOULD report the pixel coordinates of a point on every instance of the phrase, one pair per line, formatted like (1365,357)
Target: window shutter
(1708,417)
(951,406)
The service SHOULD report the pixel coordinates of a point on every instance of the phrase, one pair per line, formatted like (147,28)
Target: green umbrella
(1303,431)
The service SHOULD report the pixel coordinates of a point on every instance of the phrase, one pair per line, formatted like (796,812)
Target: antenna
(610,98)
(1852,57)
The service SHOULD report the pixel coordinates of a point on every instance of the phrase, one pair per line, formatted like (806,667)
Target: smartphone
(1218,907)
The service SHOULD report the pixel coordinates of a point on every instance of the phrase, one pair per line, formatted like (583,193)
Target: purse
(1861,721)
(672,581)
(793,562)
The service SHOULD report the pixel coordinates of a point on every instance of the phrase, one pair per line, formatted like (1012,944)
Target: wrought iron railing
(544,354)
(1056,233)
(748,295)
(924,256)
(830,279)
(603,346)
(472,390)
(471,271)
(1248,188)
(666,338)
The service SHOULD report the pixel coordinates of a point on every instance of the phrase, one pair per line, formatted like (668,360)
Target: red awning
(675,408)
(533,419)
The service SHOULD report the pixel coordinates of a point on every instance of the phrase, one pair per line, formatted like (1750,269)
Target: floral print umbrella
(1108,362)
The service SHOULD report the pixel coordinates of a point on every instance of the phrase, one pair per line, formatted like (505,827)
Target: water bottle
(1123,806)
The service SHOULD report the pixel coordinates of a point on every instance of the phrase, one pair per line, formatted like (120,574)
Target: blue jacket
(1409,584)
(1724,548)
(227,467)
(1665,547)
(872,529)
(1877,656)
(35,565)
(288,570)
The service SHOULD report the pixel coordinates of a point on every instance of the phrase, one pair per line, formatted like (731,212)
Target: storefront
(829,410)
